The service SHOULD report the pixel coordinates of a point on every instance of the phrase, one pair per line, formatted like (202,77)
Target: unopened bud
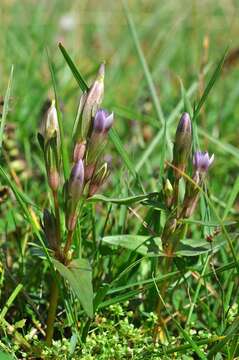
(89,171)
(79,151)
(182,145)
(98,139)
(98,179)
(50,127)
(76,181)
(71,221)
(168,191)
(90,104)
(53,179)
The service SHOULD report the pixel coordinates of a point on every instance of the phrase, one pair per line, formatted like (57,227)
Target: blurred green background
(178,38)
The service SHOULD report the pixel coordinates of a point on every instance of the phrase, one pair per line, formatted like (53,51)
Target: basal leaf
(79,276)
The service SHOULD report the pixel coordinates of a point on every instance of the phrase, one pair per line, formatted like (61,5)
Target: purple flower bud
(184,124)
(76,181)
(102,121)
(89,104)
(202,161)
(79,151)
(182,145)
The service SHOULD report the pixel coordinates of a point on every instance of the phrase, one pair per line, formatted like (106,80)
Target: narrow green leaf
(79,276)
(64,154)
(77,75)
(123,201)
(5,107)
(191,247)
(10,301)
(144,64)
(115,139)
(210,84)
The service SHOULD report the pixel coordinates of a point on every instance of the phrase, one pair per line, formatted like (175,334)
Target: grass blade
(6,106)
(64,154)
(77,75)
(148,78)
(210,84)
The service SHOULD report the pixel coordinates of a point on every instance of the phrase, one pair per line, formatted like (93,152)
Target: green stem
(68,243)
(160,322)
(57,215)
(173,242)
(52,311)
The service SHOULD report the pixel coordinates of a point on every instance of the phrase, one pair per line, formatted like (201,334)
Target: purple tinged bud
(202,161)
(76,181)
(79,151)
(90,103)
(184,124)
(102,121)
(182,144)
(53,179)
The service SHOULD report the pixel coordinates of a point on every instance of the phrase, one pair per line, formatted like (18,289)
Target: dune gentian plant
(180,208)
(87,175)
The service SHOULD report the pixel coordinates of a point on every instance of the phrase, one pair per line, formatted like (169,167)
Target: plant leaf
(5,107)
(77,75)
(79,276)
(210,84)
(191,247)
(123,201)
(144,245)
(64,154)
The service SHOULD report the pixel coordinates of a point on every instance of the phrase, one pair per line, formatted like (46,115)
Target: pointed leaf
(123,201)
(74,70)
(144,245)
(79,276)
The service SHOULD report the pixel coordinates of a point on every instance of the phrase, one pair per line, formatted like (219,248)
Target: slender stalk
(160,322)
(175,194)
(167,264)
(68,243)
(52,311)
(57,215)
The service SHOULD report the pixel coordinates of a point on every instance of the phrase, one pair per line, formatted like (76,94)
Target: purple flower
(202,161)
(76,181)
(102,121)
